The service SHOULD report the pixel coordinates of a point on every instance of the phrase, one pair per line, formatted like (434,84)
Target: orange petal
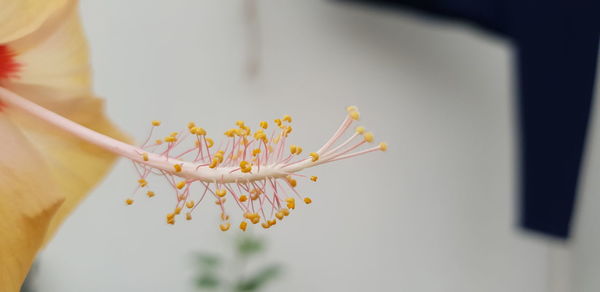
(20,17)
(28,201)
(75,165)
(56,55)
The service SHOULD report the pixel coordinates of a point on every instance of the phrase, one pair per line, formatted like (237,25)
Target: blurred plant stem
(247,247)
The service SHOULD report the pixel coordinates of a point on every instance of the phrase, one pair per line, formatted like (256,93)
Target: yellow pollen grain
(181,184)
(142,182)
(221,193)
(369,137)
(129,201)
(177,167)
(279,215)
(243,225)
(224,226)
(307,200)
(190,204)
(383,146)
(315,156)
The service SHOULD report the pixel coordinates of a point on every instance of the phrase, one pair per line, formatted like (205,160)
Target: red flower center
(8,66)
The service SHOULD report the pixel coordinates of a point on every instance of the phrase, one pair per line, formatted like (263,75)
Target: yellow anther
(193,130)
(142,182)
(155,123)
(369,137)
(220,201)
(255,151)
(173,134)
(285,212)
(287,118)
(383,146)
(213,164)
(291,203)
(209,142)
(277,122)
(239,123)
(200,131)
(150,194)
(307,200)
(224,217)
(287,130)
(170,139)
(230,133)
(243,198)
(272,222)
(191,125)
(177,210)
(246,166)
(129,201)
(360,130)
(243,225)
(279,215)
(158,142)
(352,108)
(293,149)
(181,184)
(177,167)
(190,204)
(354,115)
(314,178)
(171,221)
(170,216)
(264,124)
(221,192)
(255,220)
(145,156)
(293,182)
(265,225)
(225,226)
(299,150)
(315,156)
(254,197)
(188,216)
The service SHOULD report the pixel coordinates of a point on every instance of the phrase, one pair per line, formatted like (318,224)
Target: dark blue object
(556,46)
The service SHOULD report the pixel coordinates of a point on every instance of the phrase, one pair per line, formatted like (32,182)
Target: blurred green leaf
(249,245)
(208,281)
(259,279)
(208,261)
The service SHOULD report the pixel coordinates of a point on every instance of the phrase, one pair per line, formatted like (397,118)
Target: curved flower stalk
(253,169)
(44,172)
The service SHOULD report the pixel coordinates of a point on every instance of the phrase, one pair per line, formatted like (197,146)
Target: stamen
(256,164)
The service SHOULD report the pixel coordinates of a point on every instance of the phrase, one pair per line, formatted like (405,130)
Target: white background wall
(434,213)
